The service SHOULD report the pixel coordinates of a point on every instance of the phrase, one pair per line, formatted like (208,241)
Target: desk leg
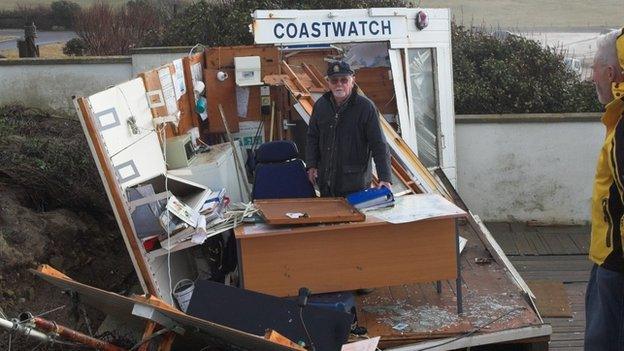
(439,287)
(458,287)
(241,282)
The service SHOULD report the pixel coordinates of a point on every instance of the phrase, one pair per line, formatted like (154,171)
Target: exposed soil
(53,210)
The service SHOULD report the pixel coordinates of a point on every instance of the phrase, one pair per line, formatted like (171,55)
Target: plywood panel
(377,83)
(314,58)
(314,210)
(349,257)
(221,93)
(223,57)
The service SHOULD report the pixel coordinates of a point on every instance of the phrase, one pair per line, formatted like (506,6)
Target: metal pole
(74,336)
(238,162)
(24,329)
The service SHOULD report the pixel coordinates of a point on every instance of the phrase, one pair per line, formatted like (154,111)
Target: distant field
(515,14)
(6,37)
(534,14)
(54,50)
(11,4)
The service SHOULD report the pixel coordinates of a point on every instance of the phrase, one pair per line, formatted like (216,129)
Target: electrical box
(248,70)
(179,151)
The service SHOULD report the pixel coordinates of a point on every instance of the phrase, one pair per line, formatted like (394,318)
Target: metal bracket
(155,316)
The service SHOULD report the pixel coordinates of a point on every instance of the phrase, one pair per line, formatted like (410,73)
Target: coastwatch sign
(326,29)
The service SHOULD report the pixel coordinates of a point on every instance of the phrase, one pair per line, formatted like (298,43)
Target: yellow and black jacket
(608,194)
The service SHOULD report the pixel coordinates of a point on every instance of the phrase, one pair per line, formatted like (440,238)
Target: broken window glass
(423,103)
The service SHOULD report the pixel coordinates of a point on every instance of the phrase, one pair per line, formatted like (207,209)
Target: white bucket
(182,291)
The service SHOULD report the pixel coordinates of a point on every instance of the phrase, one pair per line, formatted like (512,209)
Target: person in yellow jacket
(604,299)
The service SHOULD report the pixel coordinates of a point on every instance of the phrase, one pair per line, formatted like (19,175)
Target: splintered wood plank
(291,74)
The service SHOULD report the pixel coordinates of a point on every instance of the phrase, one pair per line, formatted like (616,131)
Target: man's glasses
(342,80)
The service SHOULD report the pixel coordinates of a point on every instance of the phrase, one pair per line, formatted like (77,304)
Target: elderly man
(604,300)
(344,132)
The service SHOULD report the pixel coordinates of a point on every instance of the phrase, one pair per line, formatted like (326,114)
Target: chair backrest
(279,173)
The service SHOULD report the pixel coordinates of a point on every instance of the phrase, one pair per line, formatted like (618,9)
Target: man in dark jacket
(344,132)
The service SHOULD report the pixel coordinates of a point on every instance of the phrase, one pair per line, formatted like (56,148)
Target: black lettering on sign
(339,28)
(352,29)
(279,35)
(370,27)
(316,32)
(304,31)
(385,26)
(291,30)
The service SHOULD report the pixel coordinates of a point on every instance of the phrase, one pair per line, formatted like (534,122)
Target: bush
(514,75)
(63,12)
(106,30)
(59,13)
(226,23)
(75,47)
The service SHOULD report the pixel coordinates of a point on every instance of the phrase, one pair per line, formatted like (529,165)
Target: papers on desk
(410,208)
(206,222)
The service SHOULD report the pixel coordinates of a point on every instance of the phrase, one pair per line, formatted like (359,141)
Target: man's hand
(312,175)
(386,184)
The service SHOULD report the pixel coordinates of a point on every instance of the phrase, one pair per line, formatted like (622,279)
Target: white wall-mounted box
(248,70)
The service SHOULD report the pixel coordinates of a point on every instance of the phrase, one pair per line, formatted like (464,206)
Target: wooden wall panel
(189,113)
(152,83)
(224,93)
(312,58)
(223,57)
(376,82)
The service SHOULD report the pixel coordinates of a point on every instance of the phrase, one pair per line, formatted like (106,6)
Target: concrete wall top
(93,60)
(530,118)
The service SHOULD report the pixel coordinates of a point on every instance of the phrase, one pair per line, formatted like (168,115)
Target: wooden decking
(411,313)
(557,254)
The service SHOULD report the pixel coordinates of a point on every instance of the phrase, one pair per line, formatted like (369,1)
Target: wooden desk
(326,258)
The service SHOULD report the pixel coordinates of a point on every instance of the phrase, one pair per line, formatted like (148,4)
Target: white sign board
(281,27)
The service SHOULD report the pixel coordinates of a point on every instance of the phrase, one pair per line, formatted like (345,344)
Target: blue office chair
(279,174)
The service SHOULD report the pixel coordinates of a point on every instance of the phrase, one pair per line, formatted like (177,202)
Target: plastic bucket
(182,291)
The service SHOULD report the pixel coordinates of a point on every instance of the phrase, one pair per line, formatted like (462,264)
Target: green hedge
(514,75)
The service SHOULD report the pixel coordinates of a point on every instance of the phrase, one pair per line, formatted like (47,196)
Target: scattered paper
(364,345)
(462,243)
(182,211)
(168,90)
(242,101)
(417,207)
(180,85)
(250,133)
(295,215)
